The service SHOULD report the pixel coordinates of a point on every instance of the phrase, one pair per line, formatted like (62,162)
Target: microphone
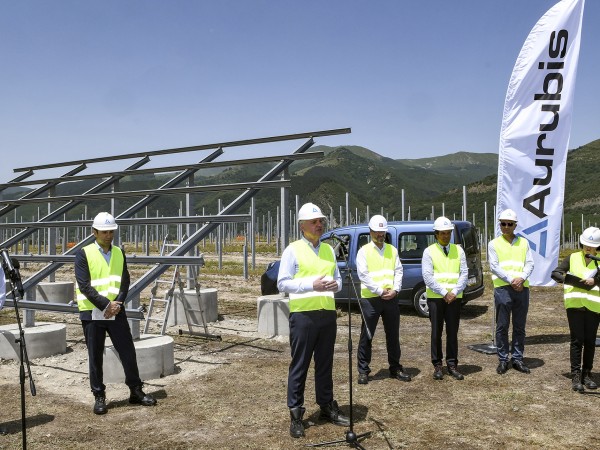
(592,257)
(6,261)
(11,267)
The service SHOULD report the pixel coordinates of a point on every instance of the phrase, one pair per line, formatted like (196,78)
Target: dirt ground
(231,394)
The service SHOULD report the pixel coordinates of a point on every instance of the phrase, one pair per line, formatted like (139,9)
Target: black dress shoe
(296,425)
(502,367)
(437,373)
(363,378)
(331,412)
(576,382)
(453,371)
(100,405)
(400,374)
(518,365)
(587,380)
(138,397)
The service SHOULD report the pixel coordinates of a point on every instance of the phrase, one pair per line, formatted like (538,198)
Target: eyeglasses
(508,224)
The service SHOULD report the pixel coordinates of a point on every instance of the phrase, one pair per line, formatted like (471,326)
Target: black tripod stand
(11,268)
(351,438)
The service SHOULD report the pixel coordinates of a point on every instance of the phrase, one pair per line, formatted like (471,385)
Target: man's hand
(388,294)
(112,309)
(517,284)
(449,297)
(321,284)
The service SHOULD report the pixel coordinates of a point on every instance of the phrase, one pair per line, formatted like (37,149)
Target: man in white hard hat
(511,264)
(380,273)
(445,272)
(308,273)
(102,287)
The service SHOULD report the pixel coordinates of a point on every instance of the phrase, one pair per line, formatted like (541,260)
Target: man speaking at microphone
(380,273)
(102,287)
(308,273)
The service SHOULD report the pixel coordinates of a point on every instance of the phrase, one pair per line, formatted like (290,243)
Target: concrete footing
(273,313)
(55,291)
(155,358)
(42,340)
(208,301)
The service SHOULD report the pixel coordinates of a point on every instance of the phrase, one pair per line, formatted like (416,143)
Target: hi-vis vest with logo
(576,297)
(311,266)
(105,278)
(511,259)
(446,269)
(381,269)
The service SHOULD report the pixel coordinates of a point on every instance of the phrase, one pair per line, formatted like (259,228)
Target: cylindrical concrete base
(43,339)
(273,313)
(208,301)
(55,292)
(155,358)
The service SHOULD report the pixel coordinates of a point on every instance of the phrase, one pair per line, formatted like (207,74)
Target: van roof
(409,224)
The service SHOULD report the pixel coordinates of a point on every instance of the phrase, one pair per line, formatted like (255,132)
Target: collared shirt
(105,255)
(288,267)
(501,273)
(430,281)
(365,277)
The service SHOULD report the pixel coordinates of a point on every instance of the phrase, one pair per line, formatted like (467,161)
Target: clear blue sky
(82,79)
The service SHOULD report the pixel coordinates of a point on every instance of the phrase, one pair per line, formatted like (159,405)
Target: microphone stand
(24,359)
(351,437)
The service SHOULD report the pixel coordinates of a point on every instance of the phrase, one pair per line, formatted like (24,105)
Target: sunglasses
(507,224)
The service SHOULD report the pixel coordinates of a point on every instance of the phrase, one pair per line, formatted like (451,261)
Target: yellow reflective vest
(105,278)
(511,258)
(311,266)
(577,297)
(446,269)
(381,269)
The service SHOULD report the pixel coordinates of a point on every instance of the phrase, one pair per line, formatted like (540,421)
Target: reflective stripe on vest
(381,268)
(105,278)
(446,269)
(576,297)
(511,259)
(311,267)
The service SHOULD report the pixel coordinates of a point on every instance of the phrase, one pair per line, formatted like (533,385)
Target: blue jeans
(508,301)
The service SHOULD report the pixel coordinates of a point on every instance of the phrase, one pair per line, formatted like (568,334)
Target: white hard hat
(104,221)
(310,211)
(508,214)
(442,224)
(590,237)
(378,223)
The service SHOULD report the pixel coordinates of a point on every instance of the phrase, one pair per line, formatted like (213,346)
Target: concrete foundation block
(42,340)
(55,292)
(273,315)
(208,302)
(155,358)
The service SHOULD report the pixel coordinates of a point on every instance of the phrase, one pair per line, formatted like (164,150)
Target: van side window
(469,240)
(341,251)
(365,238)
(412,245)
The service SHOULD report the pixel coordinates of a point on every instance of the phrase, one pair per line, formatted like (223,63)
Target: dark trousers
(441,312)
(583,326)
(388,310)
(120,335)
(311,333)
(508,301)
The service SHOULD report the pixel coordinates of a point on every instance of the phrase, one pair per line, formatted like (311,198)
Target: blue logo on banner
(540,246)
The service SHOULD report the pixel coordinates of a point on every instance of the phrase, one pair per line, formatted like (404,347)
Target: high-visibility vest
(105,278)
(576,297)
(311,267)
(446,269)
(381,268)
(511,258)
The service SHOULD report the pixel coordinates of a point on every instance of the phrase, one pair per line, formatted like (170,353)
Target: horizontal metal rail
(141,193)
(198,166)
(231,218)
(131,259)
(64,307)
(287,137)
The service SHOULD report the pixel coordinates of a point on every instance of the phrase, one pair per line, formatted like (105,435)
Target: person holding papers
(579,273)
(102,287)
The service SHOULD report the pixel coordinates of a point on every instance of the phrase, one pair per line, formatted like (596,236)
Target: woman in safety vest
(579,273)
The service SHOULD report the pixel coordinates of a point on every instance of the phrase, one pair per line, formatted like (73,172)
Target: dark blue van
(410,238)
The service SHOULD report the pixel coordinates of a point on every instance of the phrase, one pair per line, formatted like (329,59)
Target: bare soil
(231,393)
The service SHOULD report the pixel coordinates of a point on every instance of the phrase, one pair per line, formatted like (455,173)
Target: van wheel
(420,302)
